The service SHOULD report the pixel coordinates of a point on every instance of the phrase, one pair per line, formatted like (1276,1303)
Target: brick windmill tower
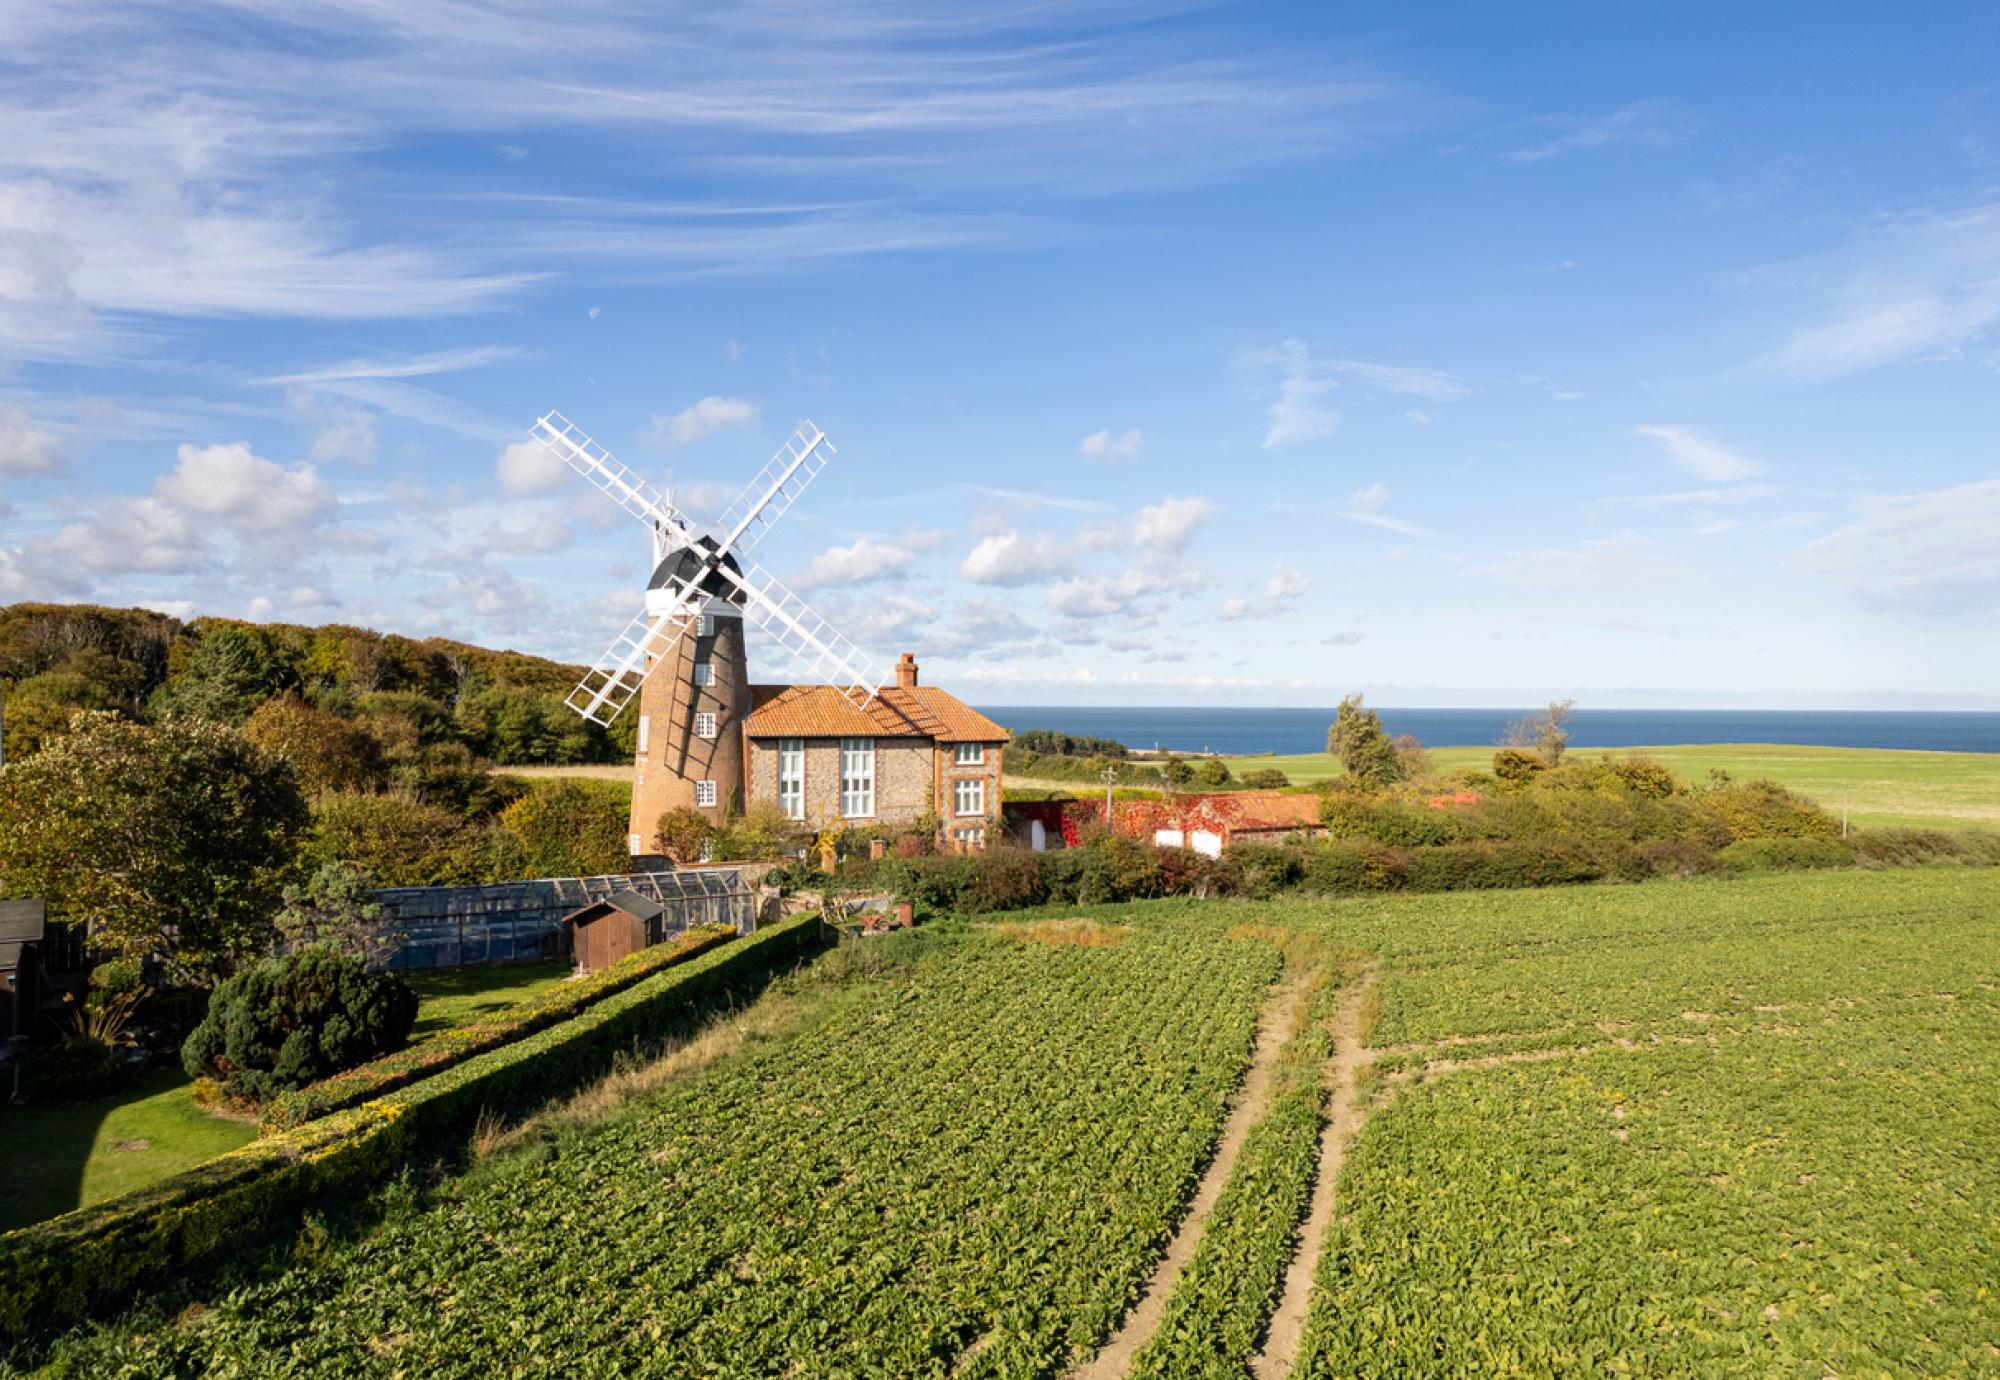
(684,655)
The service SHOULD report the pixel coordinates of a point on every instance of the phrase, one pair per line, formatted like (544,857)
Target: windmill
(690,740)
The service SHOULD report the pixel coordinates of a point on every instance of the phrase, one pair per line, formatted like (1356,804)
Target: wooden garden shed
(621,924)
(22,924)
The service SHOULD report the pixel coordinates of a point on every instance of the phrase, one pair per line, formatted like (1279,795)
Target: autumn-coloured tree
(328,752)
(170,840)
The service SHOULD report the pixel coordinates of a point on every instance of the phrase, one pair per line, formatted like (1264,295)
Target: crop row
(967,1171)
(1223,1298)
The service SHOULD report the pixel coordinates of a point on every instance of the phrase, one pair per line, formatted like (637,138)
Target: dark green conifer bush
(291,1021)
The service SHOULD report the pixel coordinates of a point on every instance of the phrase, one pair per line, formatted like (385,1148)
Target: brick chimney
(906,672)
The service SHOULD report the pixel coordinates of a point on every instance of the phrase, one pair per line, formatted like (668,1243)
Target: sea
(1249,732)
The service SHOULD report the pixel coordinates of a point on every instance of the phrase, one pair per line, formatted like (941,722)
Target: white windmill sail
(615,678)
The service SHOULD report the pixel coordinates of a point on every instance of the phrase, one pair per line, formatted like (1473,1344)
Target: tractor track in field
(1345,1111)
(1282,1014)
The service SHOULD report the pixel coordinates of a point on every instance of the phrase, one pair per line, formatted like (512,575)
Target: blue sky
(1175,354)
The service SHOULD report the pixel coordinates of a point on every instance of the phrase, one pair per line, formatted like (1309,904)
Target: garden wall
(55,1272)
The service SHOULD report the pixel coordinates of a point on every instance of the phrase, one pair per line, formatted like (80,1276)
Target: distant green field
(1882,788)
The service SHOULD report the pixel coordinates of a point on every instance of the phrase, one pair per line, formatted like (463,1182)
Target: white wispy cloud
(1640,124)
(408,367)
(1932,553)
(1924,284)
(25,447)
(1701,455)
(1300,382)
(1621,561)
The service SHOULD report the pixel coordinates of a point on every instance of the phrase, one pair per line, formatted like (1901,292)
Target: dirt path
(1281,1015)
(1344,1115)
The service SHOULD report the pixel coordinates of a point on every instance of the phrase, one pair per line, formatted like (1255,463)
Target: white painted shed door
(1038,836)
(1168,838)
(1207,844)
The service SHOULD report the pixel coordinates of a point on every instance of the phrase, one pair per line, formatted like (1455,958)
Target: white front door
(1207,844)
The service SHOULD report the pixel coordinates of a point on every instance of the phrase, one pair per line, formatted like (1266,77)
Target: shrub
(1265,779)
(91,1057)
(1518,765)
(1211,773)
(291,1021)
(682,833)
(762,831)
(1786,854)
(1258,870)
(1677,858)
(1004,879)
(572,828)
(1927,847)
(1757,810)
(397,842)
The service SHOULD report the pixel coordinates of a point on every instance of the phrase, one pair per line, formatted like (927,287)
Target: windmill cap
(690,563)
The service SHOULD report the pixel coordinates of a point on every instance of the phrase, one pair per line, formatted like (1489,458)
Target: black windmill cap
(689,564)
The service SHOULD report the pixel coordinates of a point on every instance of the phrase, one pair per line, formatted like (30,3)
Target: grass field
(1882,788)
(1737,1127)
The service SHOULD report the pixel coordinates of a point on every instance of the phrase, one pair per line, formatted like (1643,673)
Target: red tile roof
(825,711)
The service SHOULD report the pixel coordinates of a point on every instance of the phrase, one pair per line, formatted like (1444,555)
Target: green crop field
(1719,1127)
(1881,788)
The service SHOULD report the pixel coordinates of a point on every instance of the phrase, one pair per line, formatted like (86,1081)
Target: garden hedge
(54,1272)
(454,1046)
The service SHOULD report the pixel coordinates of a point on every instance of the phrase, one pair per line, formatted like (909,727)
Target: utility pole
(1843,812)
(1110,778)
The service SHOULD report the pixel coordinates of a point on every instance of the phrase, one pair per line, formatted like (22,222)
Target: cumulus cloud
(700,421)
(528,467)
(1009,559)
(245,492)
(1102,445)
(860,562)
(1169,525)
(125,536)
(1701,455)
(25,448)
(1346,638)
(1932,553)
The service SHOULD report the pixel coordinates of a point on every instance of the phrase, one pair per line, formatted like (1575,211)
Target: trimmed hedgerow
(559,1003)
(54,1272)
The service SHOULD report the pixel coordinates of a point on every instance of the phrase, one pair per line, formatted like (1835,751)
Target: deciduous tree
(172,839)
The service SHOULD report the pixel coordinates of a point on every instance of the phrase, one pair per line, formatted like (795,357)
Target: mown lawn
(460,995)
(59,1158)
(1882,788)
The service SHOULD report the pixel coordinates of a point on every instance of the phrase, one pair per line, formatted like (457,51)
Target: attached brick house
(909,750)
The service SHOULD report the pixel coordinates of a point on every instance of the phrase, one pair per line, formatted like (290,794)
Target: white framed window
(704,673)
(968,797)
(792,777)
(634,845)
(704,793)
(704,725)
(971,837)
(857,777)
(645,722)
(704,625)
(969,754)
